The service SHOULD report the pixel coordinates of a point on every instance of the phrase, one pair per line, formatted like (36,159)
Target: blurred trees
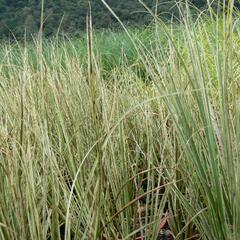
(23,16)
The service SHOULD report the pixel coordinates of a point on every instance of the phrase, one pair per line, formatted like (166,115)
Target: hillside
(16,16)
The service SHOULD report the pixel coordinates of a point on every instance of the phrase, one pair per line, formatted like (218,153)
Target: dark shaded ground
(165,234)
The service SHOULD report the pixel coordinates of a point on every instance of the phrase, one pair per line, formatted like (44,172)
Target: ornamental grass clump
(146,147)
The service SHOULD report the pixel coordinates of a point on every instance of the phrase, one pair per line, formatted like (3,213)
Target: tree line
(21,18)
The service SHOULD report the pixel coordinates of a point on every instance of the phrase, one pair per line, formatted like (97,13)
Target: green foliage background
(18,17)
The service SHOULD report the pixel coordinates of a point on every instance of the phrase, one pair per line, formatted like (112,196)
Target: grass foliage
(101,142)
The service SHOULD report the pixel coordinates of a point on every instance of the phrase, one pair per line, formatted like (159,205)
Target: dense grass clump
(118,140)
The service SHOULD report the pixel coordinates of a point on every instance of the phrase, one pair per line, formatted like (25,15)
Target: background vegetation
(20,16)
